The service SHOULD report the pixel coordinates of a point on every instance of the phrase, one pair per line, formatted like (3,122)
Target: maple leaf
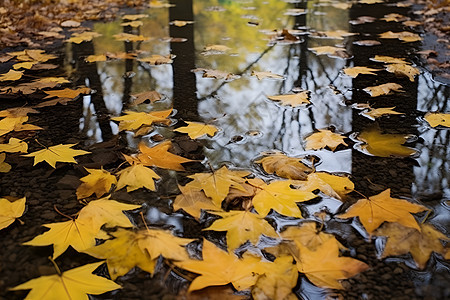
(285,166)
(374,113)
(242,226)
(263,75)
(375,210)
(383,89)
(330,51)
(278,282)
(196,130)
(329,184)
(180,23)
(134,17)
(389,59)
(98,182)
(293,100)
(133,120)
(67,93)
(355,71)
(39,55)
(324,267)
(217,184)
(394,18)
(151,96)
(107,212)
(80,234)
(132,23)
(193,201)
(158,59)
(139,248)
(324,138)
(279,196)
(403,70)
(24,65)
(86,36)
(72,284)
(4,166)
(436,119)
(17,112)
(128,37)
(220,268)
(159,156)
(137,176)
(401,240)
(9,124)
(308,236)
(95,58)
(208,73)
(53,154)
(404,36)
(384,145)
(10,211)
(11,75)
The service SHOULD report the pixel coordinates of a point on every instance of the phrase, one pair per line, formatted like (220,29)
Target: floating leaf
(144,97)
(208,73)
(67,93)
(137,176)
(436,119)
(158,59)
(389,59)
(11,75)
(180,23)
(293,100)
(404,36)
(403,70)
(4,166)
(308,236)
(374,113)
(86,36)
(134,17)
(383,89)
(53,154)
(159,156)
(355,71)
(196,130)
(324,138)
(98,182)
(285,166)
(263,75)
(128,37)
(331,51)
(133,120)
(132,24)
(95,58)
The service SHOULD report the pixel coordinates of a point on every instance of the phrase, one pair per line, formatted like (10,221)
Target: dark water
(250,124)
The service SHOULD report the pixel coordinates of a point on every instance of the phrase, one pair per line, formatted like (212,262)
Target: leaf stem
(62,214)
(58,270)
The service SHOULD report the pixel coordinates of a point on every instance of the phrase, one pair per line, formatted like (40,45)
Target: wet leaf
(95,58)
(220,268)
(16,112)
(383,89)
(132,120)
(374,113)
(263,75)
(293,100)
(401,240)
(285,166)
(355,71)
(308,236)
(336,34)
(128,37)
(134,24)
(86,36)
(403,70)
(10,211)
(324,138)
(193,201)
(14,145)
(159,156)
(279,196)
(70,23)
(98,182)
(67,93)
(389,59)
(158,59)
(242,226)
(137,176)
(375,210)
(324,267)
(332,185)
(24,65)
(394,18)
(144,97)
(9,124)
(134,17)
(180,23)
(404,36)
(11,75)
(209,73)
(367,43)
(58,153)
(4,166)
(76,283)
(196,130)
(331,51)
(384,145)
(436,119)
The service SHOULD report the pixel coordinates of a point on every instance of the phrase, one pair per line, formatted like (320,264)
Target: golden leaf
(134,17)
(209,73)
(53,154)
(331,51)
(98,182)
(329,184)
(196,130)
(293,100)
(180,23)
(355,71)
(159,156)
(403,70)
(10,211)
(67,93)
(384,145)
(383,89)
(11,75)
(86,36)
(4,166)
(308,236)
(404,36)
(9,124)
(389,59)
(436,119)
(137,176)
(158,59)
(128,37)
(324,138)
(14,145)
(263,75)
(133,120)
(95,58)
(132,24)
(285,166)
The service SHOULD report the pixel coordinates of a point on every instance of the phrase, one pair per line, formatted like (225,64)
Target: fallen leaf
(363,20)
(128,37)
(401,240)
(158,59)
(4,166)
(355,71)
(293,100)
(263,75)
(144,97)
(134,24)
(11,75)
(132,120)
(383,89)
(134,17)
(14,145)
(436,119)
(159,156)
(9,124)
(98,182)
(76,283)
(393,17)
(196,130)
(375,210)
(374,113)
(10,211)
(331,51)
(384,145)
(53,154)
(67,93)
(17,112)
(403,70)
(242,226)
(367,43)
(220,268)
(208,73)
(180,23)
(389,59)
(285,166)
(332,185)
(404,36)
(336,34)
(24,65)
(193,201)
(324,138)
(70,23)
(86,36)
(137,176)
(308,236)
(279,196)
(95,58)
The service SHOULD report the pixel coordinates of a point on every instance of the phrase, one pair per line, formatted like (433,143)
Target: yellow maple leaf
(132,23)
(332,185)
(285,166)
(375,210)
(436,119)
(401,240)
(86,36)
(9,124)
(293,100)
(133,120)
(384,145)
(242,226)
(329,50)
(98,182)
(383,89)
(193,201)
(128,37)
(73,284)
(355,71)
(137,176)
(4,166)
(53,154)
(39,55)
(159,156)
(324,138)
(95,58)
(324,267)
(134,17)
(158,59)
(263,75)
(220,268)
(11,75)
(24,65)
(217,184)
(150,96)
(279,196)
(67,93)
(308,236)
(374,113)
(10,211)
(389,59)
(196,129)
(403,70)
(404,36)
(17,112)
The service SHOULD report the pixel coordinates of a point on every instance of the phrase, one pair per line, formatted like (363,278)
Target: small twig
(58,270)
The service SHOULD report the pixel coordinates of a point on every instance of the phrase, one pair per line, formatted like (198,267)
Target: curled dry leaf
(383,89)
(403,70)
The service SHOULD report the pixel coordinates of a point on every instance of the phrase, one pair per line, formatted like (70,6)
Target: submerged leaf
(384,145)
